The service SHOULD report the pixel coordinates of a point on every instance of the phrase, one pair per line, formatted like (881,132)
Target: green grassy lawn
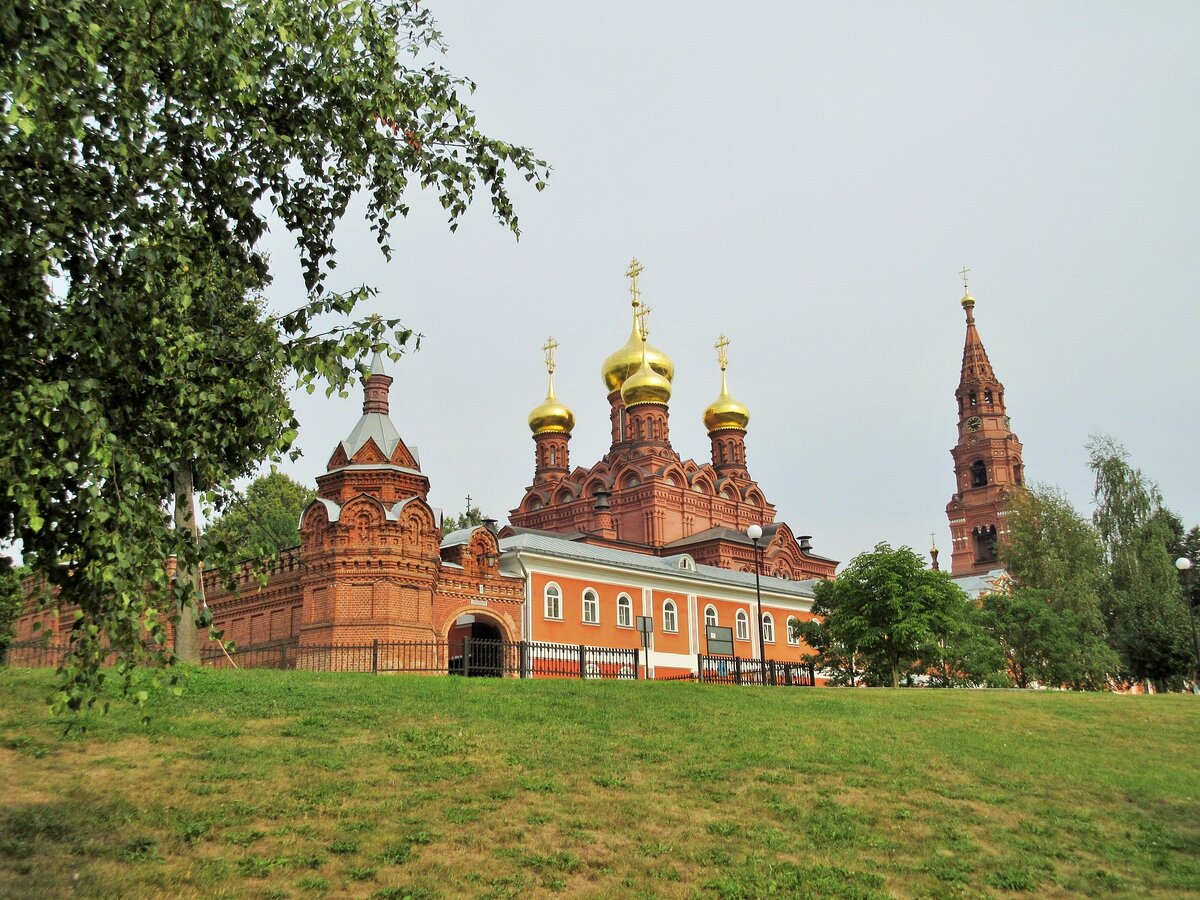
(288,784)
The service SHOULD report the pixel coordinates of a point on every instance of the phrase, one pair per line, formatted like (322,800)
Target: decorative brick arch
(510,629)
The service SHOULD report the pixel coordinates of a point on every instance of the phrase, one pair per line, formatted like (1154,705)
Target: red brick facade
(642,496)
(987,460)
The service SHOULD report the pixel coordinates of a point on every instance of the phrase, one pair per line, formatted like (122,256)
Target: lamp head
(754,532)
(1183,564)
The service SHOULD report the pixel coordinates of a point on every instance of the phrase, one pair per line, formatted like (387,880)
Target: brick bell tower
(987,459)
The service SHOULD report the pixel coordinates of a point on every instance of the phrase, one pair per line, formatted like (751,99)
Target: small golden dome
(725,412)
(550,416)
(623,363)
(968,302)
(646,385)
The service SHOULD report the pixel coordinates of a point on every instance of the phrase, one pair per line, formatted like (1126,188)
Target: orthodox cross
(468,504)
(722,356)
(550,346)
(963,273)
(635,269)
(933,539)
(642,311)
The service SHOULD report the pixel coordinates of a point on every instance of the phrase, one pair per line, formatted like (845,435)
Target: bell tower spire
(987,458)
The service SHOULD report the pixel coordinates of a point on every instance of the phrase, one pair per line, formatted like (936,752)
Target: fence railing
(740,670)
(468,656)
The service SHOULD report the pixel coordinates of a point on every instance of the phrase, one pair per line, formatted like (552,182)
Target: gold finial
(635,269)
(963,272)
(932,541)
(722,356)
(550,346)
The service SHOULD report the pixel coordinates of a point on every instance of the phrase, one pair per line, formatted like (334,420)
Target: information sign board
(720,640)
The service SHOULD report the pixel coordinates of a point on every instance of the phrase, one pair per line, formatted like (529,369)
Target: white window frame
(670,617)
(743,625)
(554,612)
(624,611)
(595,604)
(768,628)
(711,619)
(792,637)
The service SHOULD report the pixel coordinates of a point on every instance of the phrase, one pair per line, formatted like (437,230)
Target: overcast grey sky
(808,179)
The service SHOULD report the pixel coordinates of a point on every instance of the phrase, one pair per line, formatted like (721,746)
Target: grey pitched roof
(375,426)
(534,542)
(461,536)
(974,585)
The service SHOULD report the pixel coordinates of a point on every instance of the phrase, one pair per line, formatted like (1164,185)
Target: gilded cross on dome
(722,356)
(550,346)
(635,269)
(642,311)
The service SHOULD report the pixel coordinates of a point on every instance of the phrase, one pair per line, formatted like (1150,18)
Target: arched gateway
(479,645)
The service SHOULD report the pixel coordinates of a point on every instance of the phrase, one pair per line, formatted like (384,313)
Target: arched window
(627,671)
(553,602)
(743,626)
(624,611)
(592,670)
(1018,475)
(792,637)
(987,396)
(687,564)
(978,473)
(554,456)
(768,632)
(710,616)
(670,617)
(971,398)
(591,607)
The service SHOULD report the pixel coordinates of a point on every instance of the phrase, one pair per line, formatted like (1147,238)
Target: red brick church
(640,532)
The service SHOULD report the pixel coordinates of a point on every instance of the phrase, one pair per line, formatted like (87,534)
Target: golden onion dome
(623,363)
(550,416)
(725,412)
(646,385)
(968,302)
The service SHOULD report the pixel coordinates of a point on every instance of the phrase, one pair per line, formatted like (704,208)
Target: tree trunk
(895,674)
(187,634)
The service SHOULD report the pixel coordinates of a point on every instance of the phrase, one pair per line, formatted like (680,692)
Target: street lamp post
(754,532)
(1183,564)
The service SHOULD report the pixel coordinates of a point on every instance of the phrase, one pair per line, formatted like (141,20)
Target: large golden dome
(623,363)
(725,412)
(646,385)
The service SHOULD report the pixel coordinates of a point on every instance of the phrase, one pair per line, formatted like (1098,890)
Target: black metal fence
(473,657)
(739,670)
(469,656)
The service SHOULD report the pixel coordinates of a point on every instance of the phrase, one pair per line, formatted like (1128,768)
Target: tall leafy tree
(1148,621)
(891,614)
(144,147)
(11,601)
(263,519)
(1051,624)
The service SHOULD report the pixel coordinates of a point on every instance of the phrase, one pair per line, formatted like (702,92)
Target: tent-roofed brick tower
(987,459)
(375,565)
(641,495)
